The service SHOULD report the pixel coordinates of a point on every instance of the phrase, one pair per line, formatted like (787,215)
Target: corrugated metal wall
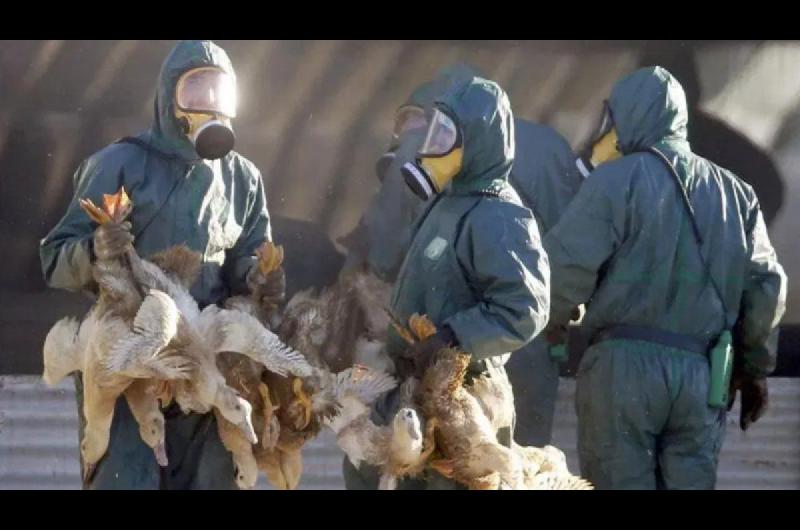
(39,441)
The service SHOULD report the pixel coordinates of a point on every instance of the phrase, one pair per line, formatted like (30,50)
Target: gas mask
(439,160)
(205,102)
(603,146)
(408,119)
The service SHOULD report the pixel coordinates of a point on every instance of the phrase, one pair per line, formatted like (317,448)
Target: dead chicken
(95,345)
(121,279)
(343,325)
(466,422)
(398,449)
(245,375)
(265,390)
(464,436)
(143,401)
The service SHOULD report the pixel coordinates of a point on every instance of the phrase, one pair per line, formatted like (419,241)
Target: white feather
(62,353)
(140,352)
(242,333)
(558,481)
(364,383)
(151,276)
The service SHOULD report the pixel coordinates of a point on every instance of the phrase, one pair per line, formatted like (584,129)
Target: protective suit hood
(649,108)
(482,110)
(165,133)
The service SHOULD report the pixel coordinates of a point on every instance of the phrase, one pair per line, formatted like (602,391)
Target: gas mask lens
(408,118)
(442,135)
(208,90)
(438,161)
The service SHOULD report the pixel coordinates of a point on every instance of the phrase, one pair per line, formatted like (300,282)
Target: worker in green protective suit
(670,252)
(187,186)
(545,176)
(474,265)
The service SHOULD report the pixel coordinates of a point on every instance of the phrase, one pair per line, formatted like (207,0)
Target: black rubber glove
(112,240)
(755,398)
(556,334)
(269,290)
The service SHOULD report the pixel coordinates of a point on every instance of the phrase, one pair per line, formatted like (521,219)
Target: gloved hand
(423,353)
(755,398)
(269,290)
(111,240)
(403,367)
(556,335)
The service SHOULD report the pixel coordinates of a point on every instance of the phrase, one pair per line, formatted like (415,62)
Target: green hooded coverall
(217,208)
(625,247)
(475,261)
(546,178)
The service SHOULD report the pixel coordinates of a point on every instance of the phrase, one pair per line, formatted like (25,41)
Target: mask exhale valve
(213,140)
(419,182)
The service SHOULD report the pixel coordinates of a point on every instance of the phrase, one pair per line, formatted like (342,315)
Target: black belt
(657,336)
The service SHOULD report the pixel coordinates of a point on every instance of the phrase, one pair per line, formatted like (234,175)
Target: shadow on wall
(714,139)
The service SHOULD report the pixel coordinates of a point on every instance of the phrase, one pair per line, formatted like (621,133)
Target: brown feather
(180,262)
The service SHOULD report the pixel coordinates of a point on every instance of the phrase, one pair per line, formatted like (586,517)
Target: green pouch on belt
(721,367)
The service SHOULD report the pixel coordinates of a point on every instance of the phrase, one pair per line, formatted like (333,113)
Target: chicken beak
(246,426)
(160,451)
(291,464)
(414,433)
(88,472)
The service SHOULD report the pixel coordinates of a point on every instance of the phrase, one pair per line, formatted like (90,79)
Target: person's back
(626,246)
(544,173)
(655,267)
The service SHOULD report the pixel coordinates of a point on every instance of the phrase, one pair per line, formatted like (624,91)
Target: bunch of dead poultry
(440,423)
(147,339)
(451,427)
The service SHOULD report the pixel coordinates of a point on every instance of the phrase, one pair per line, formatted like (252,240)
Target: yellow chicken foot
(269,437)
(270,257)
(88,472)
(303,399)
(115,208)
(421,326)
(429,441)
